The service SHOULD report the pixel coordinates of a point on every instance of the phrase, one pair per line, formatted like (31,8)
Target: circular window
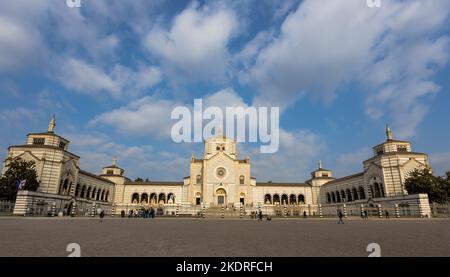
(221,172)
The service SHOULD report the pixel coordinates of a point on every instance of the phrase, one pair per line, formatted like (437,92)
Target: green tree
(139,179)
(18,170)
(422,181)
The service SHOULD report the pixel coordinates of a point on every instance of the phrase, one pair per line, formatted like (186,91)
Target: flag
(21,184)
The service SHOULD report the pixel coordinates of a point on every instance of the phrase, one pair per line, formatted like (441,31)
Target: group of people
(144,213)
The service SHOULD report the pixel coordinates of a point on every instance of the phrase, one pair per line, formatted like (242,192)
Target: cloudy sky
(112,71)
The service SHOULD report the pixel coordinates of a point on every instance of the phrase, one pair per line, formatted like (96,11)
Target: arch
(343,196)
(77,190)
(338,197)
(198,198)
(276,199)
(198,179)
(98,195)
(135,198)
(88,193)
(268,199)
(83,191)
(362,194)
(372,193)
(382,194)
(171,198)
(292,199)
(94,190)
(64,188)
(102,196)
(144,198)
(377,190)
(301,199)
(328,198)
(241,180)
(242,198)
(161,198)
(349,195)
(107,196)
(153,198)
(284,199)
(333,197)
(355,193)
(221,195)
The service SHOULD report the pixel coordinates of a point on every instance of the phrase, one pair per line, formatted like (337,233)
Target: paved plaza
(222,237)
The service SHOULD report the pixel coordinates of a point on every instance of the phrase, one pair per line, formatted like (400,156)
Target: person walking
(387,214)
(304,214)
(260,217)
(122,213)
(102,214)
(340,215)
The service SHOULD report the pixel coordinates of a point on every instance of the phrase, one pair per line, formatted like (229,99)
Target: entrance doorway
(221,196)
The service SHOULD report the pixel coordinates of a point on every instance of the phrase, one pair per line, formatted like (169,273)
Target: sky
(112,71)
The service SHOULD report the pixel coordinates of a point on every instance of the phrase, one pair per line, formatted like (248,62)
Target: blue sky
(112,71)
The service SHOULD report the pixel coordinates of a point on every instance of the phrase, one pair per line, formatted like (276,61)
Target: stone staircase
(217,211)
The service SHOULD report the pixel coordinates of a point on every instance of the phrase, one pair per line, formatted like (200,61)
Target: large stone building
(218,183)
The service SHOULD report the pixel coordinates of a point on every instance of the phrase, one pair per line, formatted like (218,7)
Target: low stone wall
(415,205)
(31,203)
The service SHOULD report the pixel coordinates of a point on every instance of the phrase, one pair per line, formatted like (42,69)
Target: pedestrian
(260,217)
(304,214)
(340,215)
(387,214)
(102,214)
(130,213)
(122,213)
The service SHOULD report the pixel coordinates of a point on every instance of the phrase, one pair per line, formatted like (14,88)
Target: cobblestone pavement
(223,237)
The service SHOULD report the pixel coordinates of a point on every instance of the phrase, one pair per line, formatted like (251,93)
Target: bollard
(93,210)
(397,212)
(344,208)
(177,210)
(26,209)
(241,214)
(380,214)
(320,211)
(72,212)
(222,212)
(203,211)
(284,211)
(362,210)
(53,209)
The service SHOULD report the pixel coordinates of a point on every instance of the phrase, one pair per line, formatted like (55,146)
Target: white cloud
(393,51)
(195,46)
(143,117)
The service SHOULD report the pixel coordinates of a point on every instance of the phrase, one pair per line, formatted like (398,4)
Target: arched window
(328,198)
(144,198)
(377,190)
(102,197)
(301,199)
(107,196)
(355,194)
(362,194)
(343,197)
(198,198)
(292,199)
(242,199)
(381,190)
(83,191)
(241,179)
(333,197)
(77,190)
(349,195)
(276,199)
(153,198)
(93,193)
(338,197)
(284,199)
(198,179)
(98,195)
(171,198)
(268,199)
(88,193)
(135,198)
(162,198)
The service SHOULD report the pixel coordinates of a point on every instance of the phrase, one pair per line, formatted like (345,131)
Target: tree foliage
(422,181)
(18,170)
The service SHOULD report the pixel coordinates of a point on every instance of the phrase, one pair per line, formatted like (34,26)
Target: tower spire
(388,132)
(114,161)
(320,164)
(52,124)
